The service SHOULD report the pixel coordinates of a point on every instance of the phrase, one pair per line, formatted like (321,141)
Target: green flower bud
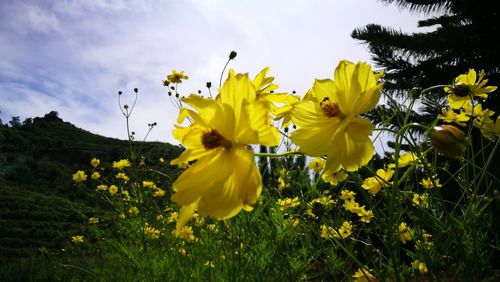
(449,141)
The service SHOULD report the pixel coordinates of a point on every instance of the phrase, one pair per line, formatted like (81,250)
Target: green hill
(40,207)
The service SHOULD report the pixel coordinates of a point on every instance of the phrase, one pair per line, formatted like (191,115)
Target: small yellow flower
(79,176)
(173,217)
(375,183)
(176,77)
(292,221)
(121,164)
(450,116)
(185,233)
(94,162)
(78,239)
(317,165)
(489,129)
(334,178)
(113,189)
(93,220)
(352,206)
(405,233)
(420,266)
(159,217)
(288,203)
(364,275)
(126,195)
(366,216)
(162,160)
(347,195)
(421,200)
(151,232)
(405,160)
(425,243)
(122,216)
(159,193)
(343,232)
(133,211)
(95,175)
(431,182)
(102,187)
(122,176)
(148,184)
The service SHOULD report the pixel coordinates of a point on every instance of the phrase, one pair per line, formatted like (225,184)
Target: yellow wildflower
(347,195)
(343,232)
(121,164)
(95,175)
(489,129)
(317,164)
(173,217)
(133,211)
(375,183)
(102,187)
(431,182)
(122,216)
(327,231)
(113,189)
(405,160)
(352,206)
(151,232)
(329,122)
(176,77)
(364,274)
(451,116)
(366,216)
(420,266)
(421,200)
(288,203)
(162,160)
(425,242)
(466,87)
(405,233)
(122,176)
(148,184)
(79,176)
(292,221)
(78,239)
(159,193)
(185,233)
(224,179)
(93,220)
(94,162)
(126,195)
(334,178)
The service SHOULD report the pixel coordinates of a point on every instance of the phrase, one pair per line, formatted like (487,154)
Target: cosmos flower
(224,179)
(328,119)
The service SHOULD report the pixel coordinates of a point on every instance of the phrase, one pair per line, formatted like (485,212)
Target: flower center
(330,108)
(212,139)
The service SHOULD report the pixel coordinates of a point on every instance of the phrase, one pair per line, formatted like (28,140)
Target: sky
(74,56)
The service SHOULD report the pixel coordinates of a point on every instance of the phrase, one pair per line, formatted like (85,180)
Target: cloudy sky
(74,56)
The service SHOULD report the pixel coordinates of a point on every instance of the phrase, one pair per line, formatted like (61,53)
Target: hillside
(39,204)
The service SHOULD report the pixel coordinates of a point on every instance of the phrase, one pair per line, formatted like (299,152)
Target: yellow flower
(122,176)
(162,160)
(151,232)
(185,233)
(288,203)
(327,231)
(95,175)
(466,87)
(421,200)
(148,184)
(347,195)
(225,178)
(431,182)
(126,195)
(113,189)
(79,176)
(421,266)
(451,116)
(209,263)
(366,216)
(93,220)
(364,275)
(329,122)
(159,193)
(375,183)
(95,162)
(405,233)
(78,239)
(334,178)
(121,164)
(176,77)
(489,128)
(343,232)
(405,160)
(133,211)
(102,187)
(317,164)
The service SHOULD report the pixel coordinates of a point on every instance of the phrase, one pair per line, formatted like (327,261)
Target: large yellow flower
(329,118)
(467,86)
(224,179)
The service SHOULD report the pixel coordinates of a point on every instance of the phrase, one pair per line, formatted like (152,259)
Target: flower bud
(232,55)
(449,141)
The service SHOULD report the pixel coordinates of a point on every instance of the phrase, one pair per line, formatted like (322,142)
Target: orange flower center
(212,139)
(330,108)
